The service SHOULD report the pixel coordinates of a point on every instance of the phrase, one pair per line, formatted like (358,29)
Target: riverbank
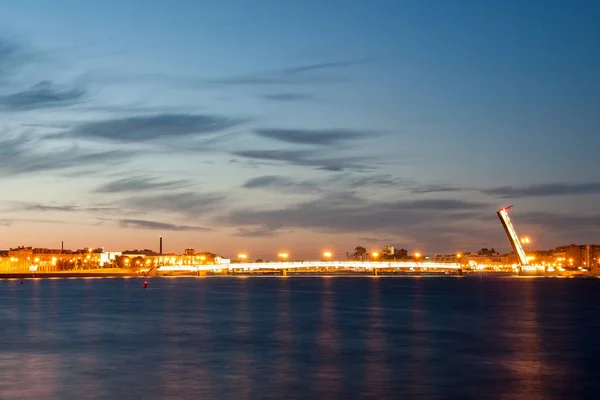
(90,273)
(131,273)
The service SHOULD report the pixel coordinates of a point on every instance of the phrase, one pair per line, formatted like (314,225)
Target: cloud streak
(305,74)
(344,181)
(323,137)
(44,208)
(153,127)
(344,212)
(17,158)
(302,158)
(436,188)
(256,232)
(189,204)
(137,184)
(281,183)
(287,97)
(297,75)
(64,208)
(160,226)
(544,190)
(12,56)
(44,94)
(323,66)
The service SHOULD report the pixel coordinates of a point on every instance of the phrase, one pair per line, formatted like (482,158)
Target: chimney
(62,247)
(160,248)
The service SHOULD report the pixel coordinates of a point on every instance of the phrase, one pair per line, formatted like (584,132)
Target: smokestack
(62,246)
(160,248)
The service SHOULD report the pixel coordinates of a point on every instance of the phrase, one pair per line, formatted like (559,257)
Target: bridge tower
(513,238)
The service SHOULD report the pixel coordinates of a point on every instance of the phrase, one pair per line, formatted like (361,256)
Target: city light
(417,255)
(525,240)
(375,254)
(242,256)
(327,255)
(283,256)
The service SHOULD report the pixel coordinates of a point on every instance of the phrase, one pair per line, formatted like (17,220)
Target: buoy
(145,284)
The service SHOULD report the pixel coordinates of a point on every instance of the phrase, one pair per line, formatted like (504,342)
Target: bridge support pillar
(284,272)
(375,271)
(459,272)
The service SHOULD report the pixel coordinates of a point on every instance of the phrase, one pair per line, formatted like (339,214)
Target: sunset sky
(270,125)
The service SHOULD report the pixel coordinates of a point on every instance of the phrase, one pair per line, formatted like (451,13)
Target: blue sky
(301,126)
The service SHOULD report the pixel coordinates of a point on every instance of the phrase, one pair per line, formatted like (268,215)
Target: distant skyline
(265,126)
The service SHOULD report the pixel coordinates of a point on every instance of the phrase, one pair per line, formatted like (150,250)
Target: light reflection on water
(301,338)
(327,346)
(377,375)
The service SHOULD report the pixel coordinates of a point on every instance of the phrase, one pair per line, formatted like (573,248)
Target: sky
(266,126)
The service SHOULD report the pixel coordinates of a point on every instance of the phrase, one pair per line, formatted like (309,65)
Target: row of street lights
(283,256)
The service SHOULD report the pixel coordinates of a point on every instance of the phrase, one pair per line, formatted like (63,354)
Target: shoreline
(129,274)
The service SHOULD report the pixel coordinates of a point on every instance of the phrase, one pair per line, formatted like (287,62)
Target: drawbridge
(513,238)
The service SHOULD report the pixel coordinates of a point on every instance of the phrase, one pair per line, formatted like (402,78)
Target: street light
(283,256)
(327,255)
(417,255)
(525,240)
(242,256)
(375,255)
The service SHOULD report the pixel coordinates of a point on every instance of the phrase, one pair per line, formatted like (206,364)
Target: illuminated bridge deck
(300,265)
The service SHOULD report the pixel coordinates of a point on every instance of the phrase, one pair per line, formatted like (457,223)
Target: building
(391,253)
(574,255)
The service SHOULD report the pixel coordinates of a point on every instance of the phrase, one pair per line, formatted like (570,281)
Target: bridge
(298,266)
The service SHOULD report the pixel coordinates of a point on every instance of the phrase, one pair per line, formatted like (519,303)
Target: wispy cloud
(281,183)
(257,232)
(296,75)
(303,158)
(189,204)
(304,74)
(544,190)
(411,222)
(13,55)
(66,208)
(338,182)
(561,221)
(301,69)
(148,128)
(436,188)
(45,207)
(139,183)
(372,180)
(161,226)
(44,94)
(514,192)
(287,97)
(346,212)
(312,136)
(18,157)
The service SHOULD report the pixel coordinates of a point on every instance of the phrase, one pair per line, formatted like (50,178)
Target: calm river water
(300,338)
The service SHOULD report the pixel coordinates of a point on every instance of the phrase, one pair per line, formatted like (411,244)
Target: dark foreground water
(300,338)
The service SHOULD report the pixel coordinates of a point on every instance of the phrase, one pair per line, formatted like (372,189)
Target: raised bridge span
(300,265)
